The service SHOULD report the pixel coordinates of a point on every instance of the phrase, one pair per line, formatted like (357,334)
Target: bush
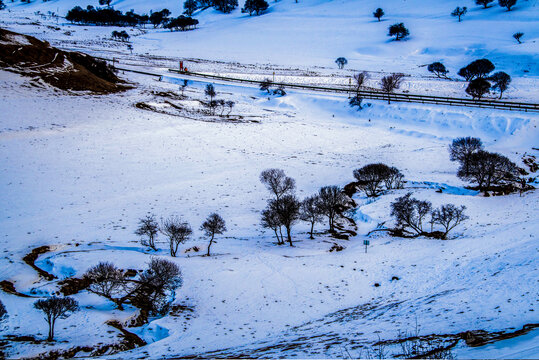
(487,169)
(266,85)
(372,178)
(477,88)
(399,31)
(438,69)
(120,35)
(341,62)
(355,101)
(110,17)
(2,5)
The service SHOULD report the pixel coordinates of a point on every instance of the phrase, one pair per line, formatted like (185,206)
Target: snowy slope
(77,171)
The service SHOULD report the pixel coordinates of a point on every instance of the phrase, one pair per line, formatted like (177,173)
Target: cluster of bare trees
(284,209)
(177,231)
(411,215)
(215,104)
(484,168)
(150,290)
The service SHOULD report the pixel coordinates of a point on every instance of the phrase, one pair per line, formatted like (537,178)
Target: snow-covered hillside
(78,170)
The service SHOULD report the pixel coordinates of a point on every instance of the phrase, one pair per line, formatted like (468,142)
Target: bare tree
(372,177)
(461,149)
(177,232)
(156,284)
(390,83)
(487,169)
(277,182)
(448,216)
(214,225)
(410,213)
(287,210)
(270,220)
(459,12)
(360,79)
(310,211)
(56,308)
(517,36)
(230,104)
(330,199)
(147,230)
(106,280)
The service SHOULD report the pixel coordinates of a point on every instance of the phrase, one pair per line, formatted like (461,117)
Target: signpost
(366,243)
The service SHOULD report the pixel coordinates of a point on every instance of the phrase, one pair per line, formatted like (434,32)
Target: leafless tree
(214,225)
(287,210)
(56,308)
(147,230)
(330,199)
(230,104)
(487,169)
(372,177)
(360,79)
(277,182)
(106,280)
(177,232)
(155,285)
(270,219)
(311,212)
(410,213)
(390,83)
(461,149)
(448,216)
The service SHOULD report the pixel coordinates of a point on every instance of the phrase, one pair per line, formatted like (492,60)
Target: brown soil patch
(29,56)
(32,257)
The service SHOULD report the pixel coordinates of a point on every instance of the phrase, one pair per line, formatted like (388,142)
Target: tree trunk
(312,229)
(281,242)
(211,241)
(289,235)
(51,330)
